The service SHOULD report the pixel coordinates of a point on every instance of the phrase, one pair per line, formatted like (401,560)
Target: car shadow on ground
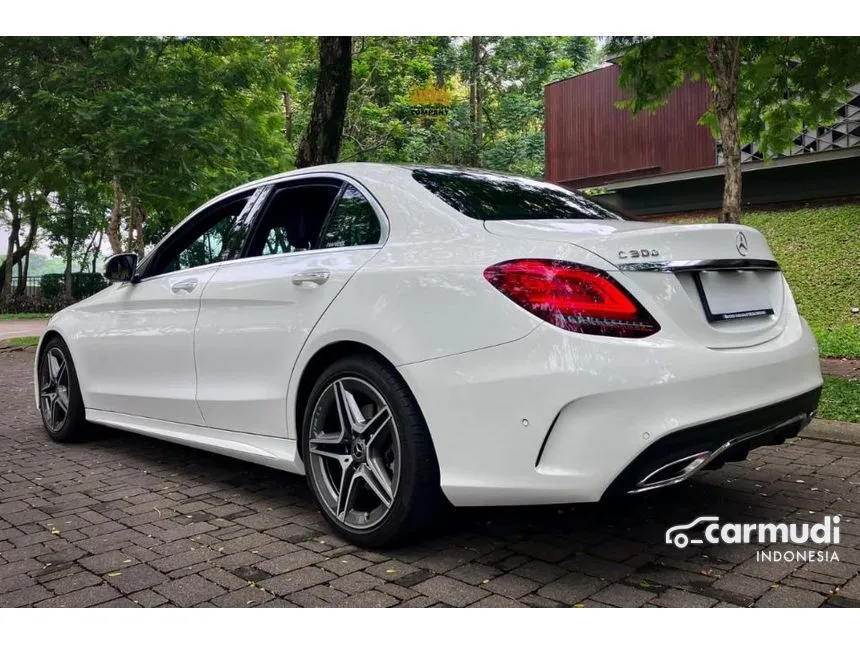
(640,519)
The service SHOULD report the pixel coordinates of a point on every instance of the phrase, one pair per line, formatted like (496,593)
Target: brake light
(572,296)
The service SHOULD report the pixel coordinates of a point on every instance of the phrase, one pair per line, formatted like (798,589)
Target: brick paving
(127,521)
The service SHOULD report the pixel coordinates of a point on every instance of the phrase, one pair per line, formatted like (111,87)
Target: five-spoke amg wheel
(59,396)
(367,453)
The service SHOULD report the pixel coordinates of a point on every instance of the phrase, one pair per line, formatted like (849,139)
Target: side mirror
(121,267)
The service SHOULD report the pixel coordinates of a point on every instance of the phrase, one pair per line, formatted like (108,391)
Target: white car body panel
(274,452)
(253,323)
(519,411)
(605,401)
(133,346)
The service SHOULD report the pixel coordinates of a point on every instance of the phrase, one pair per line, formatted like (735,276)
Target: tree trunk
(724,57)
(33,225)
(139,218)
(479,123)
(322,141)
(9,265)
(441,59)
(70,243)
(115,216)
(132,225)
(23,270)
(20,276)
(15,250)
(288,115)
(473,99)
(476,101)
(97,248)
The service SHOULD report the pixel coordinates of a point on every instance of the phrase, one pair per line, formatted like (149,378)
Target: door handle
(184,286)
(315,276)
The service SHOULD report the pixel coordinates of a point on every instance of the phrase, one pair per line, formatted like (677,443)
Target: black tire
(73,426)
(417,498)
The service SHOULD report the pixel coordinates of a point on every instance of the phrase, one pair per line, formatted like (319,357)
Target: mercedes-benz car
(411,338)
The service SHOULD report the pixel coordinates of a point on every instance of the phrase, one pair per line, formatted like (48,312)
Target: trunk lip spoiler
(680,266)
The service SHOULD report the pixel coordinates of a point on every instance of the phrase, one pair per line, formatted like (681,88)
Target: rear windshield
(487,196)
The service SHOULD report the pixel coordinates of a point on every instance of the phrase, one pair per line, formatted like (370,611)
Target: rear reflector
(572,296)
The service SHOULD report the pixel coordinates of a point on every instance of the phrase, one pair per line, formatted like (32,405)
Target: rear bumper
(680,455)
(557,417)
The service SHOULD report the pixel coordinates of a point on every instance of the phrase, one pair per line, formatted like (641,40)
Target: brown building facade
(589,140)
(665,161)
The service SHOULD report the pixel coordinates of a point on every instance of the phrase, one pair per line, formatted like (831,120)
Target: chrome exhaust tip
(674,472)
(682,469)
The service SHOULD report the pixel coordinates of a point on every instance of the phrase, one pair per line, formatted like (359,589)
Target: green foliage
(840,400)
(786,82)
(382,124)
(816,248)
(179,120)
(175,119)
(23,341)
(28,304)
(516,72)
(24,316)
(86,284)
(83,285)
(52,284)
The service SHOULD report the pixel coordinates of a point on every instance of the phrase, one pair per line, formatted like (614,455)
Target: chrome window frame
(258,191)
(283,182)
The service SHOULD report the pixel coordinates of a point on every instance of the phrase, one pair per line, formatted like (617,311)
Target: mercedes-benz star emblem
(741,244)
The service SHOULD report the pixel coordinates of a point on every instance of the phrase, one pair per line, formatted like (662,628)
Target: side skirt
(266,451)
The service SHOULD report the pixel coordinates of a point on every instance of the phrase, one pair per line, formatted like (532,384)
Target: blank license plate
(728,295)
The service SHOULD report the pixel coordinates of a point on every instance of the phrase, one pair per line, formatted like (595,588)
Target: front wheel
(60,402)
(368,455)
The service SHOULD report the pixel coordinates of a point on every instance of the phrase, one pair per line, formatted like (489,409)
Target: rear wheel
(368,455)
(60,401)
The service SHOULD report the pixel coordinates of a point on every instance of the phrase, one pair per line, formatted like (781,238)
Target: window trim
(308,178)
(259,214)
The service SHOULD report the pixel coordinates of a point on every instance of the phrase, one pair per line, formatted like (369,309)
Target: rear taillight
(572,296)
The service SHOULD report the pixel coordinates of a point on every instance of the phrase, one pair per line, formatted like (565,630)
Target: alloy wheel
(54,389)
(354,455)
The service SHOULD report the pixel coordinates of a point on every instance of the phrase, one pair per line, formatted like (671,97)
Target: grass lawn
(840,400)
(23,341)
(26,316)
(818,249)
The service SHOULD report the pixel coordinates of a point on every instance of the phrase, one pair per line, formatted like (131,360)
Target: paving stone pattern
(128,521)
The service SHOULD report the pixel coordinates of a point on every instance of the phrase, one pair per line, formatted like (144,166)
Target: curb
(833,431)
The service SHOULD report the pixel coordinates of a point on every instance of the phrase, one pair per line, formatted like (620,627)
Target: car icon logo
(676,534)
(741,244)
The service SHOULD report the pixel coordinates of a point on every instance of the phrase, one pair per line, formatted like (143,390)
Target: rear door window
(293,218)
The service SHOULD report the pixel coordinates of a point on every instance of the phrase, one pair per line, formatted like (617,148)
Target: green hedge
(83,285)
(26,303)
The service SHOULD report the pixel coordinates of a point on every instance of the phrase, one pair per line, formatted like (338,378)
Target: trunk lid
(716,283)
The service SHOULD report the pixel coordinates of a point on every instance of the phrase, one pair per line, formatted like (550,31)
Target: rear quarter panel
(418,301)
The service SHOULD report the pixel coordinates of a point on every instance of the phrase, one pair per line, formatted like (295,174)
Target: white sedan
(408,335)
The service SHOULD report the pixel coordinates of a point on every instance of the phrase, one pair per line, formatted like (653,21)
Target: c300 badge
(638,253)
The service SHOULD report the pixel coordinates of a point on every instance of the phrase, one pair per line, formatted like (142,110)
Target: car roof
(373,171)
(356,169)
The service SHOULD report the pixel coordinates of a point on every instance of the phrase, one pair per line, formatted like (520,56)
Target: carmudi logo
(708,529)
